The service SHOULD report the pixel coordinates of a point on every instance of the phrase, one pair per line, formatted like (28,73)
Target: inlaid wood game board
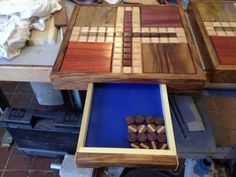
(214,24)
(128,44)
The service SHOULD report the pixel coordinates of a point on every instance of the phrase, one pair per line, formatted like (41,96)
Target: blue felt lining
(112,103)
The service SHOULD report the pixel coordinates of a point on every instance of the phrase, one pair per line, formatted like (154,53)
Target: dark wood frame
(75,80)
(217,72)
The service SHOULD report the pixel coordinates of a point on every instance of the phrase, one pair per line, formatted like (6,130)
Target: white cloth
(17,18)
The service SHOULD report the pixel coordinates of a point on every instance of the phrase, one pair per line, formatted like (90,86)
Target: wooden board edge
(207,41)
(59,59)
(127,160)
(85,118)
(167,118)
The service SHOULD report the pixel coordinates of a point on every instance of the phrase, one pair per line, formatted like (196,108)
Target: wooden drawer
(103,135)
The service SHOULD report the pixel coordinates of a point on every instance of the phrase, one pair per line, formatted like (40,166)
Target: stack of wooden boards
(128,44)
(214,25)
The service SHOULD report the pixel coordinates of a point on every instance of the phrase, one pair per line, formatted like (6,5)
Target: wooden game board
(214,24)
(128,44)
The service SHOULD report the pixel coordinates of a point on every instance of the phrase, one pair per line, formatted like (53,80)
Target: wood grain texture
(60,18)
(167,58)
(104,160)
(225,48)
(96,16)
(87,57)
(217,11)
(160,17)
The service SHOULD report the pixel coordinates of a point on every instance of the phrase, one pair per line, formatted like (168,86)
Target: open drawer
(103,134)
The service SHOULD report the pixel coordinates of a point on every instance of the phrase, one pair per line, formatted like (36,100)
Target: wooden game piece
(142,128)
(152,136)
(159,121)
(162,138)
(163,146)
(127,70)
(151,128)
(153,143)
(160,128)
(101,39)
(139,119)
(110,29)
(142,137)
(143,145)
(129,120)
(179,30)
(134,145)
(132,129)
(209,28)
(149,120)
(132,137)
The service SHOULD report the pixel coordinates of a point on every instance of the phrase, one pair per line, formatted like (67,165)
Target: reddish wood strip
(225,47)
(99,66)
(160,17)
(84,52)
(87,57)
(93,46)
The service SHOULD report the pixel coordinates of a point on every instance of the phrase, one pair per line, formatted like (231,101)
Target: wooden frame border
(74,80)
(94,157)
(216,71)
